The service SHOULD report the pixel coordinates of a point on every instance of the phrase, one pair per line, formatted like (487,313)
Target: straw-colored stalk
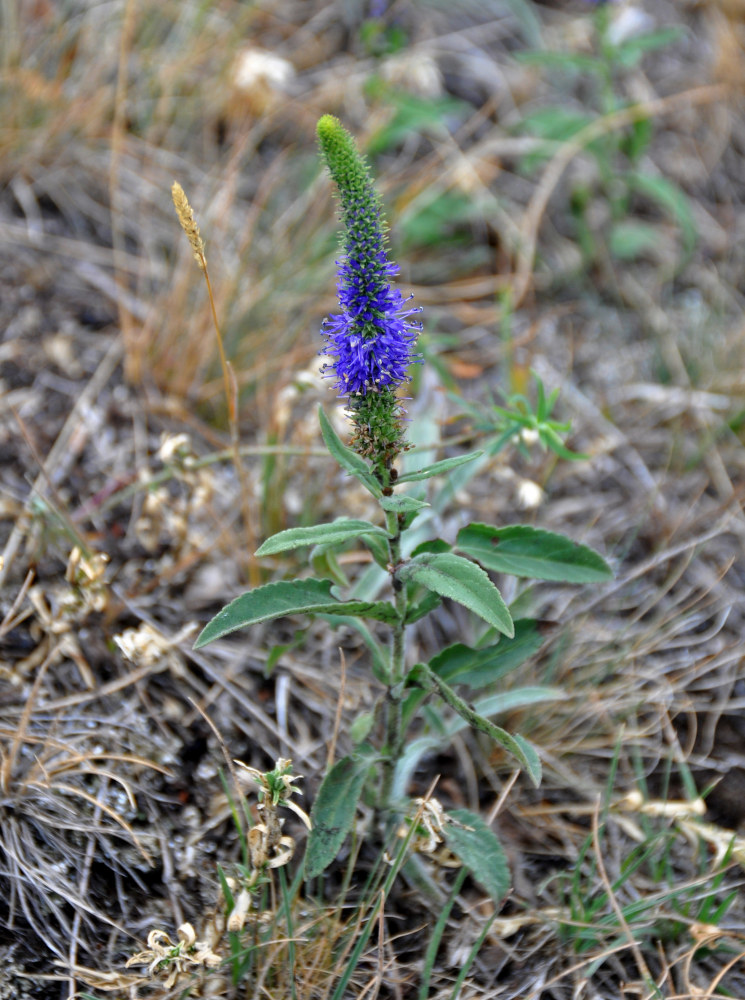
(190,227)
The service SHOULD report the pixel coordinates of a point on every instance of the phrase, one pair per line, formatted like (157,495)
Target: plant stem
(393,715)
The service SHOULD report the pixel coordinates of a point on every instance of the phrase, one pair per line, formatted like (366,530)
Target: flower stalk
(370,347)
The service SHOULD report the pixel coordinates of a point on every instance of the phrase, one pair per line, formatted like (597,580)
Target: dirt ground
(124,525)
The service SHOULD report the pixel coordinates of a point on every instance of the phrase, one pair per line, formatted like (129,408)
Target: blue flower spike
(370,342)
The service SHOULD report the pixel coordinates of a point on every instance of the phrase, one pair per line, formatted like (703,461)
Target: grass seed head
(189,224)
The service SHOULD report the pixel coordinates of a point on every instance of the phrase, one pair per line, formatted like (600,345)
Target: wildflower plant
(370,344)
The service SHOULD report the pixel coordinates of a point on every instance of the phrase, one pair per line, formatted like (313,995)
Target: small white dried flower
(529,494)
(86,574)
(174,448)
(164,956)
(147,646)
(430,820)
(268,847)
(239,913)
(255,67)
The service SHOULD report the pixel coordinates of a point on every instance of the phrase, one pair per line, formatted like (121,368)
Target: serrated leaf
(532,552)
(402,504)
(318,534)
(347,458)
(333,812)
(477,667)
(437,468)
(288,597)
(477,846)
(463,581)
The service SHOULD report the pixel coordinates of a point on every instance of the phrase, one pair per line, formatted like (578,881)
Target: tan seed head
(188,223)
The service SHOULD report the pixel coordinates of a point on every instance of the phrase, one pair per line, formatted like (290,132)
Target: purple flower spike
(371,339)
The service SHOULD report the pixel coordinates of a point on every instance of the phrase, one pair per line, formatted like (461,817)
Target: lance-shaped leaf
(288,597)
(471,840)
(402,504)
(333,811)
(437,468)
(318,534)
(524,551)
(479,667)
(461,580)
(347,458)
(517,745)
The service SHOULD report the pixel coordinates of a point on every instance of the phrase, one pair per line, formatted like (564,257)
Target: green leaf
(379,611)
(461,580)
(347,458)
(437,468)
(415,114)
(532,552)
(437,217)
(629,52)
(671,200)
(517,745)
(325,564)
(359,728)
(333,811)
(278,651)
(288,597)
(402,504)
(379,658)
(556,123)
(528,758)
(432,545)
(631,239)
(420,610)
(471,840)
(576,61)
(318,534)
(379,549)
(523,697)
(479,667)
